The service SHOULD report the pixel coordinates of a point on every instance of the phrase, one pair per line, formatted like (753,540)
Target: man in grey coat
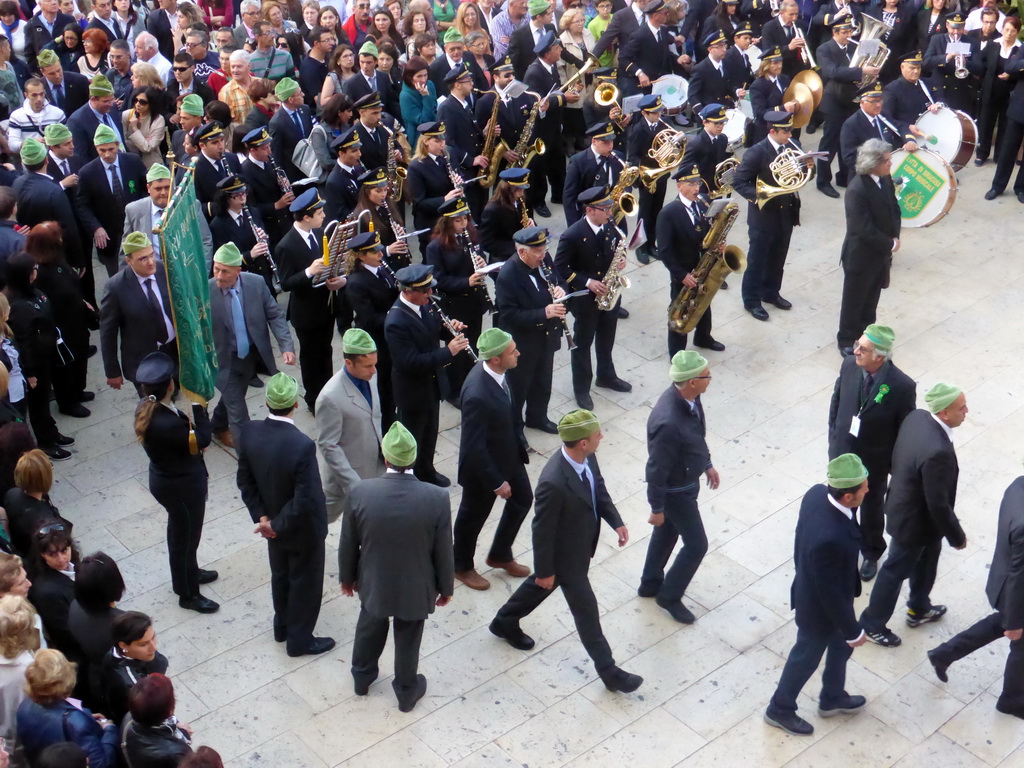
(348,421)
(396,552)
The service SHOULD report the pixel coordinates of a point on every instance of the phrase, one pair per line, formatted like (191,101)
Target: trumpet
(805,53)
(960,72)
(575,83)
(450,325)
(607,95)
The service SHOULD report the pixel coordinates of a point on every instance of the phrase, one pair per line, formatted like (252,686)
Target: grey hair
(247,4)
(147,41)
(200,35)
(787,4)
(475,35)
(239,55)
(870,154)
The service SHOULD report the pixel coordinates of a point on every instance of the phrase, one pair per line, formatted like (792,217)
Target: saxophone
(715,264)
(625,202)
(614,280)
(494,154)
(524,215)
(525,148)
(396,173)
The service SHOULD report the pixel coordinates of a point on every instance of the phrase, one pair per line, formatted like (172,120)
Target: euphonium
(625,202)
(715,264)
(872,31)
(614,280)
(790,175)
(494,150)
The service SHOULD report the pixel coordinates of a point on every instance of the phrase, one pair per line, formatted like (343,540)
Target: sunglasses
(181,69)
(141,101)
(50,529)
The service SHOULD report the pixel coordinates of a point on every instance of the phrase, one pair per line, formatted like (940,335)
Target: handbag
(304,158)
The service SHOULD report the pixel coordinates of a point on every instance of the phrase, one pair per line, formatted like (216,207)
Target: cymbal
(812,80)
(801,94)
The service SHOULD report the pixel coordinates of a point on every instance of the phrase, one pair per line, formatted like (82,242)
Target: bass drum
(951,133)
(928,186)
(735,127)
(673,90)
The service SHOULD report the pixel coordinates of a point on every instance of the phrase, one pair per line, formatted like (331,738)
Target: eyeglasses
(181,69)
(188,45)
(49,529)
(703,377)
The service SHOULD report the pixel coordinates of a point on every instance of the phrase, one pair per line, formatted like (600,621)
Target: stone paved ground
(955,305)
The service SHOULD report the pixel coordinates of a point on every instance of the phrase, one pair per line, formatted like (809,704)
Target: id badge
(855,426)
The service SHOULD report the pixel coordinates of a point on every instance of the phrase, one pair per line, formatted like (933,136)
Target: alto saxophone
(479,263)
(614,280)
(526,149)
(715,264)
(396,173)
(494,154)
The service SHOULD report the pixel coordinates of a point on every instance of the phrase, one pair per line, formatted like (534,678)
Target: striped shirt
(503,26)
(273,65)
(26,124)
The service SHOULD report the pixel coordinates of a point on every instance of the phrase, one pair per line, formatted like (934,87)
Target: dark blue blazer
(904,103)
(584,171)
(782,211)
(737,68)
(341,192)
(125,312)
(76,93)
(427,183)
(677,450)
(355,87)
(492,447)
(207,177)
(679,241)
(158,26)
(41,199)
(97,206)
(765,96)
(857,129)
(463,135)
(521,303)
(709,86)
(707,152)
(284,135)
(83,124)
(419,359)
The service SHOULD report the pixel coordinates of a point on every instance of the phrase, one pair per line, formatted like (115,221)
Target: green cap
(577,424)
(846,471)
(56,133)
(47,58)
(686,365)
(157,172)
(192,105)
(369,49)
(453,36)
(882,336)
(100,86)
(493,342)
(282,391)
(135,241)
(537,7)
(105,135)
(941,396)
(399,446)
(285,88)
(32,152)
(228,255)
(356,341)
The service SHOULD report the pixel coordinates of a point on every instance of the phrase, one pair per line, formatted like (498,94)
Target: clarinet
(549,278)
(456,178)
(447,321)
(397,230)
(479,263)
(261,237)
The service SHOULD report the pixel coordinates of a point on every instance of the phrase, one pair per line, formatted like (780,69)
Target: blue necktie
(298,122)
(58,96)
(238,320)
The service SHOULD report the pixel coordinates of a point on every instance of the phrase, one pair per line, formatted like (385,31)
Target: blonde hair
(148,75)
(5,380)
(50,677)
(10,567)
(33,473)
(569,16)
(17,626)
(5,313)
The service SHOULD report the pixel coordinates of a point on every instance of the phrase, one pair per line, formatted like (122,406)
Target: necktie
(505,387)
(238,320)
(789,33)
(156,240)
(869,380)
(154,303)
(878,125)
(58,96)
(312,242)
(298,121)
(115,183)
(65,168)
(589,489)
(221,169)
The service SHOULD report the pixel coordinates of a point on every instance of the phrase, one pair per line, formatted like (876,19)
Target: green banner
(181,245)
(921,185)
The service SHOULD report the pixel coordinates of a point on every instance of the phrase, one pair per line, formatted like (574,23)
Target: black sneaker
(886,638)
(790,722)
(56,453)
(934,613)
(64,441)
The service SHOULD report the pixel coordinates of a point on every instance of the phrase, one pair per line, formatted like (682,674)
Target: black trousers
(582,604)
(766,264)
(315,359)
(184,498)
(830,143)
(1006,158)
(682,520)
(475,508)
(372,635)
(802,662)
(423,423)
(649,208)
(38,401)
(861,291)
(530,380)
(592,327)
(918,564)
(702,333)
(992,121)
(871,514)
(547,170)
(296,586)
(980,634)
(69,377)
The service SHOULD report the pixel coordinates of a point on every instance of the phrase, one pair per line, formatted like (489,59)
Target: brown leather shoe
(473,580)
(512,568)
(225,438)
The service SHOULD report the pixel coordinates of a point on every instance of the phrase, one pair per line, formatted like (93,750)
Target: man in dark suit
(369,80)
(289,125)
(954,92)
(868,123)
(185,81)
(571,502)
(341,192)
(451,57)
(709,81)
(279,480)
(623,23)
(464,137)
(825,585)
(372,133)
(870,400)
(241,311)
(513,112)
(492,461)
(523,41)
(771,227)
(677,456)
(782,32)
(682,227)
(872,237)
(396,551)
(919,513)
(103,20)
(1010,143)
(907,97)
(43,28)
(598,166)
(68,91)
(312,307)
(159,24)
(264,188)
(1005,592)
(105,186)
(642,131)
(709,147)
(994,96)
(645,56)
(98,111)
(213,164)
(136,306)
(586,253)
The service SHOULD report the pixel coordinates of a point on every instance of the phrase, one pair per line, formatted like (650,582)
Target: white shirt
(414,307)
(259,164)
(945,427)
(580,469)
(498,377)
(973,21)
(393,471)
(593,226)
(159,300)
(286,419)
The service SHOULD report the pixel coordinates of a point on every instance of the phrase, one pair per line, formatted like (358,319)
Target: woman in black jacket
(99,586)
(152,736)
(503,215)
(51,567)
(178,479)
(35,336)
(28,504)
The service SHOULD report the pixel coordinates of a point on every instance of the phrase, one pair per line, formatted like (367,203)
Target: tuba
(615,281)
(790,175)
(871,51)
(714,266)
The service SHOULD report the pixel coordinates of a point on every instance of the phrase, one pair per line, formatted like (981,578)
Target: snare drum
(673,91)
(929,187)
(735,126)
(951,133)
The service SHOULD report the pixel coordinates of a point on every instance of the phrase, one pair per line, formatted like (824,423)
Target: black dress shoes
(1000,707)
(676,610)
(543,210)
(623,313)
(979,161)
(868,569)
(790,722)
(828,191)
(1020,197)
(56,453)
(205,577)
(91,351)
(642,256)
(406,701)
(280,634)
(780,302)
(76,411)
(86,397)
(256,382)
(992,194)
(362,687)
(620,681)
(316,646)
(199,604)
(545,426)
(585,401)
(710,343)
(514,637)
(939,667)
(616,385)
(440,480)
(759,312)
(64,440)
(851,705)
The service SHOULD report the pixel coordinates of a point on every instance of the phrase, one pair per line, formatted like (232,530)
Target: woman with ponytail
(177,474)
